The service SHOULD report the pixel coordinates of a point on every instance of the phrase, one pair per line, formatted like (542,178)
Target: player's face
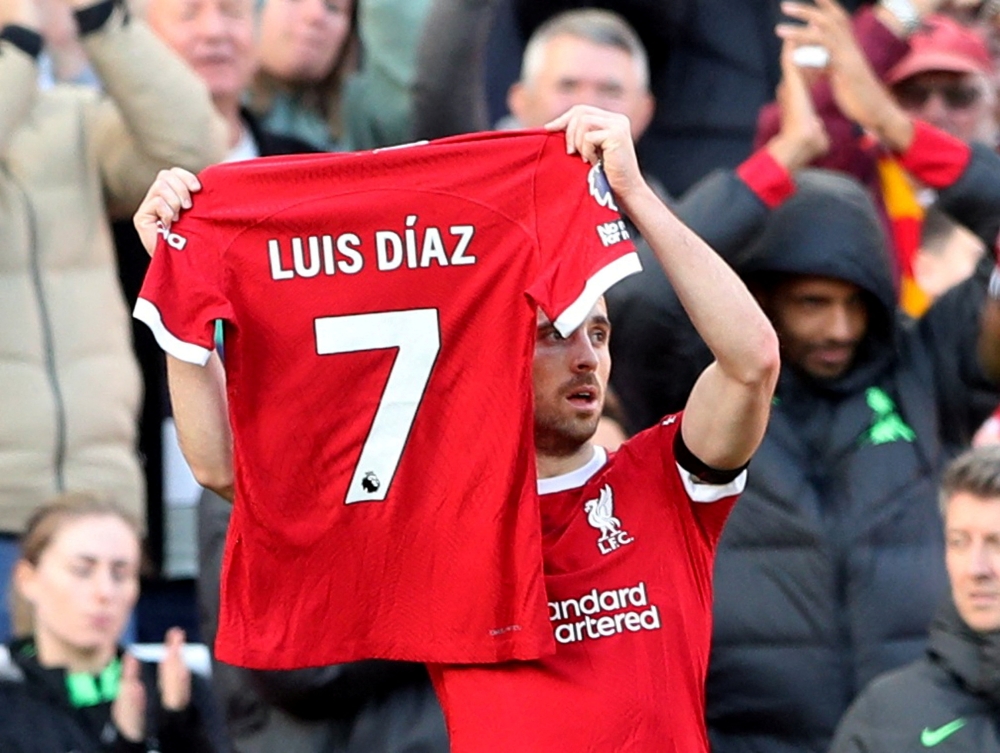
(84,586)
(570,379)
(576,71)
(214,37)
(820,322)
(972,540)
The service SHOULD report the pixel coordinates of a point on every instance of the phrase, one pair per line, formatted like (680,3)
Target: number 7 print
(416,333)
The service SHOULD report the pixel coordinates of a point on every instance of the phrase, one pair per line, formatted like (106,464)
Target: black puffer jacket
(831,565)
(948,701)
(36,715)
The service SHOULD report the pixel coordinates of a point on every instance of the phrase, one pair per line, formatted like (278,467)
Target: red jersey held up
(629,543)
(379,318)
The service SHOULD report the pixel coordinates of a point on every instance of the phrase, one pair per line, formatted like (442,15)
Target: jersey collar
(574,479)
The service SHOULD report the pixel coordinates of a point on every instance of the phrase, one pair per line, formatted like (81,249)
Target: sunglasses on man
(956,96)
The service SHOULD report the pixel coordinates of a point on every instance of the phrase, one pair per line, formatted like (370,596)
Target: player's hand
(857,90)
(601,136)
(128,712)
(173,675)
(169,195)
(803,136)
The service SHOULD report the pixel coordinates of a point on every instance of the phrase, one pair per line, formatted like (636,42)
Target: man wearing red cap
(945,80)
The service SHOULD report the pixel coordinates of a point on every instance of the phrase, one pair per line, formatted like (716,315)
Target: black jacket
(36,715)
(831,565)
(948,701)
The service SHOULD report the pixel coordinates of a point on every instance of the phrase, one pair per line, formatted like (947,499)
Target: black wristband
(93,17)
(27,40)
(704,473)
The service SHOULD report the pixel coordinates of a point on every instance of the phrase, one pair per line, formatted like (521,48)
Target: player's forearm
(198,396)
(721,308)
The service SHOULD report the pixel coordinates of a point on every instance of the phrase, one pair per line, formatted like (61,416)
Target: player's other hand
(601,136)
(167,197)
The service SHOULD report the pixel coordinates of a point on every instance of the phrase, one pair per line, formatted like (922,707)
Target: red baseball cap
(941,44)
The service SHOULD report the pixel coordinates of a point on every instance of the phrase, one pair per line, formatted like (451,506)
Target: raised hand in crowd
(803,136)
(859,93)
(128,711)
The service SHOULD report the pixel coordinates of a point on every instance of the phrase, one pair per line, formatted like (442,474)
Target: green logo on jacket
(929,738)
(887,425)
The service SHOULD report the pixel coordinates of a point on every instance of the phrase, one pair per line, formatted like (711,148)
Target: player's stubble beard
(561,431)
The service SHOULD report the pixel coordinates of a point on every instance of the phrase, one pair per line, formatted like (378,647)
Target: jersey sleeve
(585,245)
(712,502)
(182,295)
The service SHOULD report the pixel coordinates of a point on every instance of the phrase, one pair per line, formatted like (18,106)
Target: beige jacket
(69,383)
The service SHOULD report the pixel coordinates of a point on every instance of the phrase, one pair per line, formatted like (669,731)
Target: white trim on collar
(574,479)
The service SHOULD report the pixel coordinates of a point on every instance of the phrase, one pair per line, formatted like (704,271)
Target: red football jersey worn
(379,338)
(629,542)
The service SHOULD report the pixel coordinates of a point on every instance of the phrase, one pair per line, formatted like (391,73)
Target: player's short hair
(598,26)
(975,472)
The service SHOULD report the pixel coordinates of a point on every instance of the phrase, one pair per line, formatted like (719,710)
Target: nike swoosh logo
(931,737)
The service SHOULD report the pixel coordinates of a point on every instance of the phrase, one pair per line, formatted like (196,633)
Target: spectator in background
(840,514)
(984,17)
(65,683)
(584,57)
(377,98)
(305,50)
(946,80)
(69,157)
(713,63)
(216,38)
(952,693)
(886,40)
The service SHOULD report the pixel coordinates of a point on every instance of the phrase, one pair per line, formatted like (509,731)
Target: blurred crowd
(859,200)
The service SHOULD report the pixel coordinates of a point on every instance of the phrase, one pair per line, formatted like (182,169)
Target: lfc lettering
(414,247)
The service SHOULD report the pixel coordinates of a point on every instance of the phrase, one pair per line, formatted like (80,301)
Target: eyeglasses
(913,94)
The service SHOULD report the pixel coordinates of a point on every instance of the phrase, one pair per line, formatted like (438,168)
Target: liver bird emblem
(601,513)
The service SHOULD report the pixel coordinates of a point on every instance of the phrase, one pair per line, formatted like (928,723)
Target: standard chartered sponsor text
(590,615)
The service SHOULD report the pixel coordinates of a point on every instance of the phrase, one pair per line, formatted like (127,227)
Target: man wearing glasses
(945,80)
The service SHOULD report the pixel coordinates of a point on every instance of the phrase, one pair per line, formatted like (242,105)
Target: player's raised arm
(727,411)
(197,393)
